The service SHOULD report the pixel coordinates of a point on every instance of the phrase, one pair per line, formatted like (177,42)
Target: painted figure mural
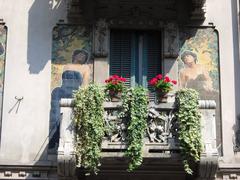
(3,39)
(198,62)
(194,75)
(72,67)
(199,65)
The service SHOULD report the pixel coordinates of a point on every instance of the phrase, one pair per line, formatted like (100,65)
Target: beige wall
(28,73)
(220,13)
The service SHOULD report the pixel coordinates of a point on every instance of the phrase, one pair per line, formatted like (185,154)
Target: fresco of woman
(80,64)
(194,75)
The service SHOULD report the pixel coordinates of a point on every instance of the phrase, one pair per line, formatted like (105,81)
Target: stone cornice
(197,11)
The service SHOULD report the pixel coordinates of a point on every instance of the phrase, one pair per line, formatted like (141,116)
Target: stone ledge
(33,171)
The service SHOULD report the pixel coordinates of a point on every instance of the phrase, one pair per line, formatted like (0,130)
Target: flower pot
(161,97)
(115,96)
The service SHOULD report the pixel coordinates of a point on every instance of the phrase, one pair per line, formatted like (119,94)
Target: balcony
(161,151)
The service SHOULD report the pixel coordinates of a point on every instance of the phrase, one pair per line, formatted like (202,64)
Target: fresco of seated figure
(80,58)
(194,75)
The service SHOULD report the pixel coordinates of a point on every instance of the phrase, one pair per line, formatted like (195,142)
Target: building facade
(48,48)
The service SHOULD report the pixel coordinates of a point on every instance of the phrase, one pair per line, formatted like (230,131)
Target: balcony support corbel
(209,157)
(66,160)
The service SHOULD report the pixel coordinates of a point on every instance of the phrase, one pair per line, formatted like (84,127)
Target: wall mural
(199,65)
(3,40)
(72,67)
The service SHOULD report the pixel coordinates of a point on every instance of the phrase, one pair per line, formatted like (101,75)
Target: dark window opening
(136,55)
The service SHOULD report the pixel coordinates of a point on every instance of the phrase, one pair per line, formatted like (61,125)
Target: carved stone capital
(101,38)
(207,104)
(171,47)
(74,11)
(199,9)
(66,102)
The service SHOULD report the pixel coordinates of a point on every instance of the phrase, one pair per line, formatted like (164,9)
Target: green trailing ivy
(189,126)
(89,123)
(135,108)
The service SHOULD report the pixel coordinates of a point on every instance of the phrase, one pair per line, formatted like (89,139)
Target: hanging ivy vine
(89,123)
(135,109)
(189,126)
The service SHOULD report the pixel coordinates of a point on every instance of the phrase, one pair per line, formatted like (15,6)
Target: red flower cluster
(115,79)
(162,83)
(114,84)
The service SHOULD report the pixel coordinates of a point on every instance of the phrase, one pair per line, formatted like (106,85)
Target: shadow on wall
(43,16)
(71,80)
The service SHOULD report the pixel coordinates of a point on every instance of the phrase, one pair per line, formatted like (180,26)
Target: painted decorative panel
(199,65)
(72,67)
(198,61)
(3,40)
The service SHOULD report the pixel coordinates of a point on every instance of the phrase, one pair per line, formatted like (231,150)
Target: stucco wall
(28,75)
(223,15)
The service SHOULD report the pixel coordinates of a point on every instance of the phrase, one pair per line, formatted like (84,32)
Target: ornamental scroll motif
(101,38)
(162,126)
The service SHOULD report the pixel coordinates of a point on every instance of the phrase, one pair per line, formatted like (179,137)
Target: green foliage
(189,126)
(89,123)
(135,108)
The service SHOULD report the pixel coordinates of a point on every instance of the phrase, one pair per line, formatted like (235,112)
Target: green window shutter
(131,57)
(121,54)
(154,64)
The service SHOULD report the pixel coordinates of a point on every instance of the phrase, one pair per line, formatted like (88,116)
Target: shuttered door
(121,54)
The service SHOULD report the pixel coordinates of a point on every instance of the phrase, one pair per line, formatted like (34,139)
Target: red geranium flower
(115,84)
(174,82)
(162,83)
(159,76)
(167,79)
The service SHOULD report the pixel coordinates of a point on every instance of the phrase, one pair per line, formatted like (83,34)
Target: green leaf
(189,119)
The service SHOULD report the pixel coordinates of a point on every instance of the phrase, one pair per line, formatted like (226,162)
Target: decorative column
(101,48)
(209,157)
(66,160)
(171,50)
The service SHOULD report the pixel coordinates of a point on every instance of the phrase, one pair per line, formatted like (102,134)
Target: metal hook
(17,103)
(19,99)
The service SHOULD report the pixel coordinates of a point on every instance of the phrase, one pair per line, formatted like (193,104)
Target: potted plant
(114,87)
(162,85)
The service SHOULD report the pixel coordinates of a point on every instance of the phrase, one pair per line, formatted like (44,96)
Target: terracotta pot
(161,97)
(115,96)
